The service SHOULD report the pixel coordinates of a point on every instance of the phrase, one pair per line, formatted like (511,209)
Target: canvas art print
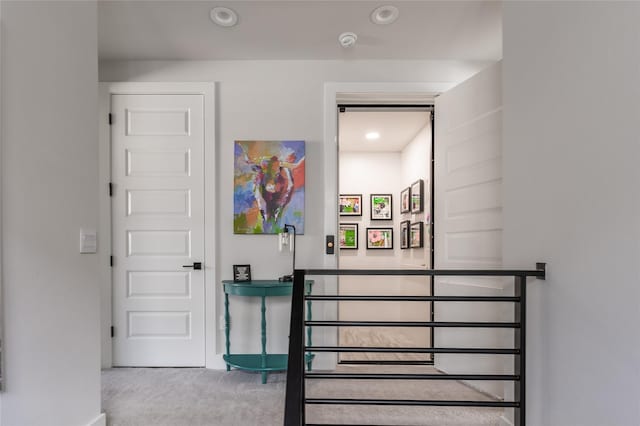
(268,189)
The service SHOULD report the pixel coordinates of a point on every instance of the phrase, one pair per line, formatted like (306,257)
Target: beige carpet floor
(200,397)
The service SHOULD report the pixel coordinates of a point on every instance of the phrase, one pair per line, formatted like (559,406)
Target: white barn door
(468,220)
(157,148)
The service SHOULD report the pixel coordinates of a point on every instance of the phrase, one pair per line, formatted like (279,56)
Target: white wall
(275,100)
(369,173)
(571,85)
(49,183)
(416,164)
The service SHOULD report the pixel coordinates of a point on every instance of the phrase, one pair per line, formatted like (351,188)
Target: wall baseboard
(101,420)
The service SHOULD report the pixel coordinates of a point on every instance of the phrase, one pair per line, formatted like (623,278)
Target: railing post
(520,342)
(294,402)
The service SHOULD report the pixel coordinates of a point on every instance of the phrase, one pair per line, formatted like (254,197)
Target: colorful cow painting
(268,186)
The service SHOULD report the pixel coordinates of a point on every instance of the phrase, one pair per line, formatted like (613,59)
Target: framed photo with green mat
(348,236)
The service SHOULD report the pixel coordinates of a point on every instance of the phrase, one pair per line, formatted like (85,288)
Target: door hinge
(110,119)
(113,331)
(110,189)
(111,260)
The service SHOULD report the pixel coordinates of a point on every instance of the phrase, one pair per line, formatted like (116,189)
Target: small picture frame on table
(381,207)
(416,236)
(241,273)
(405,200)
(404,234)
(379,238)
(348,236)
(350,205)
(417,197)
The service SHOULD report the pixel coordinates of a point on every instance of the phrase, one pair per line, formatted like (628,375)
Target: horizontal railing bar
(412,324)
(385,362)
(413,402)
(414,376)
(379,349)
(416,298)
(347,424)
(430,272)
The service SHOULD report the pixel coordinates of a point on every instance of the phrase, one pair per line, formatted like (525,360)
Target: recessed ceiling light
(347,39)
(384,15)
(371,136)
(224,16)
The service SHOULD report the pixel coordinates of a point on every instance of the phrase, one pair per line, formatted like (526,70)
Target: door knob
(196,265)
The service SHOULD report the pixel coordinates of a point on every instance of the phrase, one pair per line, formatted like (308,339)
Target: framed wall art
(241,273)
(348,236)
(381,207)
(404,234)
(268,186)
(405,200)
(350,204)
(416,236)
(417,196)
(379,238)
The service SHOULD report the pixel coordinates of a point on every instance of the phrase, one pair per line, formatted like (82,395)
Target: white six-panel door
(157,144)
(468,221)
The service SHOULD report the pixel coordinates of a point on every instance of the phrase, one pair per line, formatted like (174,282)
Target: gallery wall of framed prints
(413,228)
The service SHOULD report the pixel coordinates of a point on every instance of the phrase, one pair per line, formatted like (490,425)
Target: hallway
(186,396)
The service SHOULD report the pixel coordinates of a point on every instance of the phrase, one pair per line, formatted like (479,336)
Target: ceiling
(396,129)
(298,29)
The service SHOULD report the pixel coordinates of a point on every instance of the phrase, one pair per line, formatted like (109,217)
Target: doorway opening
(385,182)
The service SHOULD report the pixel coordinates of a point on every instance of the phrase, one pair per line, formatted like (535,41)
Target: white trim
(2,382)
(104,224)
(101,420)
(360,92)
(208,90)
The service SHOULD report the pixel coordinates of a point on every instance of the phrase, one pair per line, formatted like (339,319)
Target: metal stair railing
(296,401)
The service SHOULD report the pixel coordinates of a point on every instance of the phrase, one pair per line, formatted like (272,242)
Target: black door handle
(196,265)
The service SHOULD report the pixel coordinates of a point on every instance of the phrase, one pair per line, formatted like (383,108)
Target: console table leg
(264,340)
(226,326)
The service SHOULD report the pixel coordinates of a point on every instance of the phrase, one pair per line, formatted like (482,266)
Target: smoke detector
(347,39)
(224,16)
(385,15)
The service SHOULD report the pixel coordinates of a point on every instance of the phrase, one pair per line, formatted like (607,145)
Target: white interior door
(157,148)
(468,220)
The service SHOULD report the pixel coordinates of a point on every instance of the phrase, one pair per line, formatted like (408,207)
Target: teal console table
(262,362)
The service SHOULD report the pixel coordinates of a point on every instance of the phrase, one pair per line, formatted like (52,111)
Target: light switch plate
(88,241)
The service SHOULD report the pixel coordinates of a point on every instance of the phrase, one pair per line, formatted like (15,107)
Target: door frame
(397,104)
(334,94)
(208,91)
